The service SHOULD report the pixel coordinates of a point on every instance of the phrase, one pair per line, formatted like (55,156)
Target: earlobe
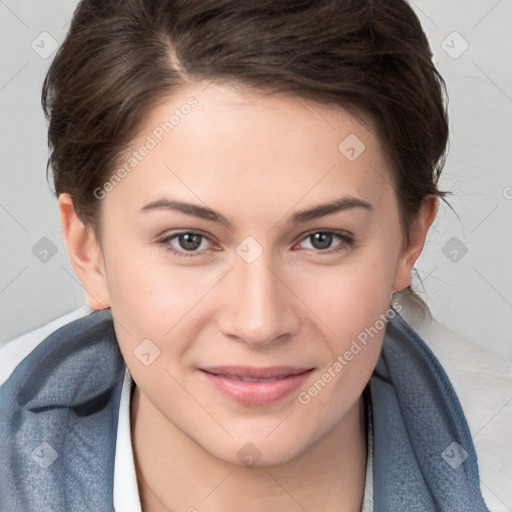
(85,254)
(417,235)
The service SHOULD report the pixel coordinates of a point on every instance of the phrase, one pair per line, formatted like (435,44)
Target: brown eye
(190,241)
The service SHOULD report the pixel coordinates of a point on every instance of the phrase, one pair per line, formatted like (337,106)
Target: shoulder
(61,386)
(15,351)
(483,383)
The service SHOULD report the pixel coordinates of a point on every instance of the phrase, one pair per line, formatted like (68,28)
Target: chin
(258,450)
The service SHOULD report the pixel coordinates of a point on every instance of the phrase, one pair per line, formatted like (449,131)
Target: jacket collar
(58,429)
(61,404)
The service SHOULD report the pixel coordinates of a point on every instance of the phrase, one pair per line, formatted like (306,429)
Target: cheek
(353,307)
(149,293)
(355,312)
(351,301)
(350,297)
(157,317)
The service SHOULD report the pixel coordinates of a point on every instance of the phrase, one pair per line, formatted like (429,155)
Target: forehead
(213,144)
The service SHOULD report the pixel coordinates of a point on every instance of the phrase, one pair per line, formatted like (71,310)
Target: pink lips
(256,386)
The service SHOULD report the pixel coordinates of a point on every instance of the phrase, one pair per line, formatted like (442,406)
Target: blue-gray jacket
(60,406)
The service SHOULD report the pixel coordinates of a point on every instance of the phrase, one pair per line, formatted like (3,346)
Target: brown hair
(121,57)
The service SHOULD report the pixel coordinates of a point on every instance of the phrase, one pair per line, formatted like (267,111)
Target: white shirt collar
(368,485)
(126,493)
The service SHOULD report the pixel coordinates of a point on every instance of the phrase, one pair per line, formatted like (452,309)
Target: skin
(256,160)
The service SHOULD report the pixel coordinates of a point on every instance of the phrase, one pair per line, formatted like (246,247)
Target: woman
(244,189)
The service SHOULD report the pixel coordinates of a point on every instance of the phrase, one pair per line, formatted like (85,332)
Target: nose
(258,307)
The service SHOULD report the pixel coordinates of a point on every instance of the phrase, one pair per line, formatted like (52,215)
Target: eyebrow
(339,205)
(194,210)
(203,212)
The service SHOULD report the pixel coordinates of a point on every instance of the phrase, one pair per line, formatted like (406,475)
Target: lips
(253,386)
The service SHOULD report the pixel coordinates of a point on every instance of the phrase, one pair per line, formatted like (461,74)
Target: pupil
(190,241)
(321,240)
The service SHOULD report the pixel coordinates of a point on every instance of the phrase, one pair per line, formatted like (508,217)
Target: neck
(175,474)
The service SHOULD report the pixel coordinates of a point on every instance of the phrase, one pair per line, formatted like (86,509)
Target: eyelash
(347,242)
(185,254)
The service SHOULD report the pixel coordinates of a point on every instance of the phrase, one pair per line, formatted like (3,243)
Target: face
(244,256)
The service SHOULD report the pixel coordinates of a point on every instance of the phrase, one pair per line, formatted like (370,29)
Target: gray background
(466,266)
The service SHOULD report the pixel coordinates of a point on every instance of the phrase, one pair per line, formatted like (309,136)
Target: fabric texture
(60,409)
(59,421)
(424,458)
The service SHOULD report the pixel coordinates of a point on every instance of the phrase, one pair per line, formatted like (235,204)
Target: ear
(417,235)
(85,254)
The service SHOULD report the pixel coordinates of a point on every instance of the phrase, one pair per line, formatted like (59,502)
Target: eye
(186,242)
(327,241)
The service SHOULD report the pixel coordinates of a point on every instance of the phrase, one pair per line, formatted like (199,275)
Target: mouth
(252,386)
